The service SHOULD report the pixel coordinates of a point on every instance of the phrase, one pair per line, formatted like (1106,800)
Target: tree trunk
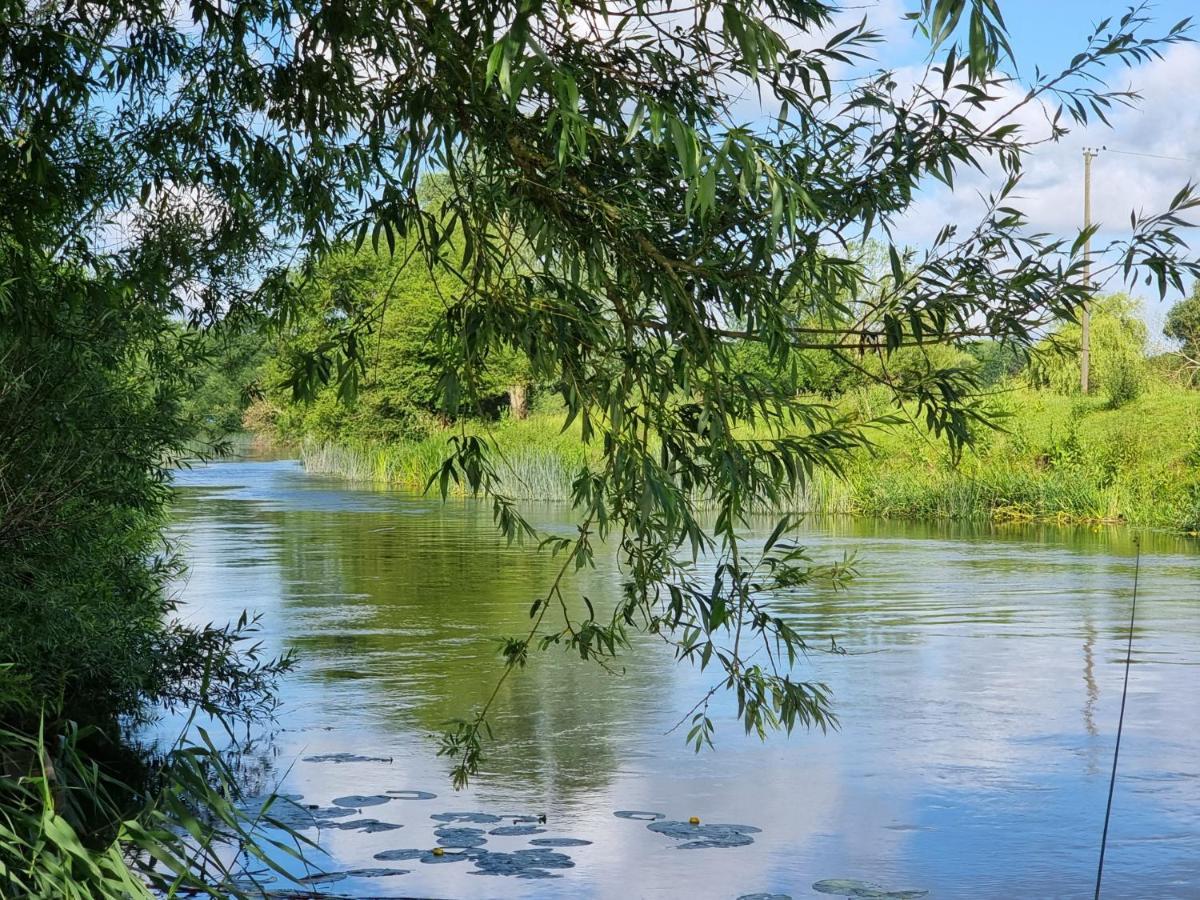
(518,401)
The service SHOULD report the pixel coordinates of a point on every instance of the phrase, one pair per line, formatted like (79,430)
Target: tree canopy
(1183,325)
(630,192)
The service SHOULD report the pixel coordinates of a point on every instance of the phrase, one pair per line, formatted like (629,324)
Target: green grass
(536,461)
(1060,459)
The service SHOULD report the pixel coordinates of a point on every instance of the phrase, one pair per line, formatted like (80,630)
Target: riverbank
(1059,459)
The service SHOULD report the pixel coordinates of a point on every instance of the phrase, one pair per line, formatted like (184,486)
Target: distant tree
(1118,352)
(1183,325)
(393,387)
(997,361)
(226,379)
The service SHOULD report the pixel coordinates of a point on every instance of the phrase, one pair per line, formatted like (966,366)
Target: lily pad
(852,887)
(640,815)
(292,815)
(458,855)
(560,842)
(412,795)
(477,818)
(331,812)
(739,840)
(358,801)
(516,830)
(345,758)
(375,873)
(460,837)
(534,863)
(765,897)
(252,883)
(322,878)
(395,855)
(704,837)
(367,826)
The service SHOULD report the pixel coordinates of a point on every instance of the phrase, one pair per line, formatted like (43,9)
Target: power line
(1191,159)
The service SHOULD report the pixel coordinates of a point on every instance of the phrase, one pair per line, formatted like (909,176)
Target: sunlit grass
(1058,459)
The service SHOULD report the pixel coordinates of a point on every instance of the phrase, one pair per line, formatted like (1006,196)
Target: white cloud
(1165,122)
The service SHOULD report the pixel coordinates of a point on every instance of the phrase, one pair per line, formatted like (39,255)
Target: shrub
(1124,380)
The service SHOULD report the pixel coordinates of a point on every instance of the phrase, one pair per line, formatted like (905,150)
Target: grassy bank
(1059,459)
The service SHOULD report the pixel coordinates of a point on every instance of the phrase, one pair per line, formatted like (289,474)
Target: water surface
(978,701)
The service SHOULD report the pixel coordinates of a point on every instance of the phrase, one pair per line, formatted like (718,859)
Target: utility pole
(1085,321)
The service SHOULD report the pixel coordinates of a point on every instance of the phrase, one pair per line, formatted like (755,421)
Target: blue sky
(1048,32)
(1166,123)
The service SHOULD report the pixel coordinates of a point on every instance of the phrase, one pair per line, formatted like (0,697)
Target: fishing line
(1112,781)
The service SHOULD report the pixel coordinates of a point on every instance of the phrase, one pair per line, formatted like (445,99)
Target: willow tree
(631,189)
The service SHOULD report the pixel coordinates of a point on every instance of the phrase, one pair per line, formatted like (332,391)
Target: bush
(1124,380)
(91,407)
(997,361)
(90,404)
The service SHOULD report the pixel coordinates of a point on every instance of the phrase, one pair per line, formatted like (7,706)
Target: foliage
(1117,367)
(69,829)
(92,413)
(1183,324)
(393,389)
(1058,460)
(227,378)
(997,361)
(612,210)
(97,281)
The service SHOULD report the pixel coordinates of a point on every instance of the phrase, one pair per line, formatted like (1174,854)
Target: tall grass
(1059,459)
(70,829)
(527,473)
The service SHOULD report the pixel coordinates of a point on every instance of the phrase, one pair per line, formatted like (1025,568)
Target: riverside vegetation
(1129,452)
(600,228)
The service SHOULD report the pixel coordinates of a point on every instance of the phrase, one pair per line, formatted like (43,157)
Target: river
(978,701)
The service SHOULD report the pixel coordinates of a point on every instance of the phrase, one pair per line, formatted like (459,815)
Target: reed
(1059,459)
